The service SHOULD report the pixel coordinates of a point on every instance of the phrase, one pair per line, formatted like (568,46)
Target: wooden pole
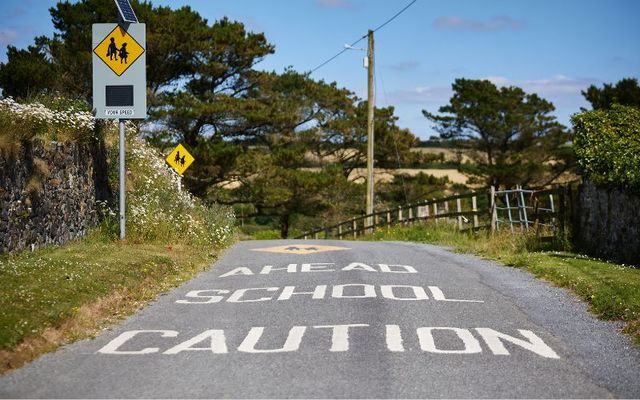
(459,210)
(474,208)
(494,211)
(370,126)
(435,210)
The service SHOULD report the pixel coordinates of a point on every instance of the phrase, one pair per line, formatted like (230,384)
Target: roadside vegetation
(56,295)
(611,290)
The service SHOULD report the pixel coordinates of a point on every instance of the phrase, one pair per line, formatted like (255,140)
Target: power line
(395,16)
(358,41)
(336,56)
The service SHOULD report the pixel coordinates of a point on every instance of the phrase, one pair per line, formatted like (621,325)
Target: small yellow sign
(118,50)
(300,249)
(179,159)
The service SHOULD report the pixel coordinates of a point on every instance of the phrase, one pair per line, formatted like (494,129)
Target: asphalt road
(369,320)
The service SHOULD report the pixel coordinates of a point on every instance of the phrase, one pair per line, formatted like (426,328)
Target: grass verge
(611,290)
(58,295)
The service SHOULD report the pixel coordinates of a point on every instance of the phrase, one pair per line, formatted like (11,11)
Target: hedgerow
(607,146)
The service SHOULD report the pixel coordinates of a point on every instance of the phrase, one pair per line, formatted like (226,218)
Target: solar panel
(126,12)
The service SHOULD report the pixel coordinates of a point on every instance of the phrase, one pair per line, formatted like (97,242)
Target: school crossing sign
(118,50)
(179,159)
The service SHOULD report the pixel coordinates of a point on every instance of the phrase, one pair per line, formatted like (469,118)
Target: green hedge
(607,146)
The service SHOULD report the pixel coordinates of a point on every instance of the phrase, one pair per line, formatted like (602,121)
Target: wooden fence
(492,209)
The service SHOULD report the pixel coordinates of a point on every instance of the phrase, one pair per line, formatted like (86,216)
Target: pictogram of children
(112,50)
(123,53)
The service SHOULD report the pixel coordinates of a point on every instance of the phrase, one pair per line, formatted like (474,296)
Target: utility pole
(370,132)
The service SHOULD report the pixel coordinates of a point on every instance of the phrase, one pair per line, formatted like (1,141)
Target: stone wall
(607,223)
(48,193)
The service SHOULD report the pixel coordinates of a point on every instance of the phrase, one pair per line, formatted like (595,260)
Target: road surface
(327,319)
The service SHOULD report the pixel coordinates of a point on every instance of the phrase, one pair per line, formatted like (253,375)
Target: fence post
(494,211)
(446,208)
(553,210)
(400,215)
(339,231)
(435,210)
(355,229)
(410,221)
(562,202)
(524,209)
(506,197)
(316,236)
(474,208)
(388,218)
(427,211)
(459,210)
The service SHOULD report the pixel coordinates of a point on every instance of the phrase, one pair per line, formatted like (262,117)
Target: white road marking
(217,343)
(418,292)
(427,341)
(340,336)
(292,343)
(394,338)
(288,291)
(367,291)
(113,346)
(438,295)
(535,344)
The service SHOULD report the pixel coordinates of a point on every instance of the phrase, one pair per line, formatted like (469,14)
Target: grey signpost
(119,79)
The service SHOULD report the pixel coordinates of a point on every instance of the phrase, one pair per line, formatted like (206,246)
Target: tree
(510,134)
(345,139)
(177,44)
(27,72)
(626,92)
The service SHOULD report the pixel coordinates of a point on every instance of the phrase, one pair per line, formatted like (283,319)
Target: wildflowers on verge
(26,121)
(158,211)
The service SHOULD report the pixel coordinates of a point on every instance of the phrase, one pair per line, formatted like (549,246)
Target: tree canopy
(626,92)
(511,135)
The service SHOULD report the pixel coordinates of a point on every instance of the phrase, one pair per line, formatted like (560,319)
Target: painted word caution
(119,50)
(300,249)
(430,340)
(179,159)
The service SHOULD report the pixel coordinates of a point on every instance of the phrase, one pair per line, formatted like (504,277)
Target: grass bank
(56,295)
(611,290)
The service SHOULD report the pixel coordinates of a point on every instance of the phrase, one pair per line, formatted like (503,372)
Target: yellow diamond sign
(300,249)
(179,159)
(118,50)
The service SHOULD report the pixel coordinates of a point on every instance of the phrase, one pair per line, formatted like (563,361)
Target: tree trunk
(284,226)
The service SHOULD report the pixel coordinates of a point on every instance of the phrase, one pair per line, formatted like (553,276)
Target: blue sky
(553,48)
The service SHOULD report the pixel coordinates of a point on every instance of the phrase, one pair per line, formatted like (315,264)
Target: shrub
(607,146)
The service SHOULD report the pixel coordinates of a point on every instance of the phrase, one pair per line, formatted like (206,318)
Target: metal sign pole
(122,179)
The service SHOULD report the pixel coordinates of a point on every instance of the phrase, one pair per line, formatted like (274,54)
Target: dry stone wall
(607,223)
(48,193)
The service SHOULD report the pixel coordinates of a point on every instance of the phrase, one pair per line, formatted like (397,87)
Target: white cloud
(332,3)
(8,36)
(438,95)
(497,23)
(556,85)
(404,65)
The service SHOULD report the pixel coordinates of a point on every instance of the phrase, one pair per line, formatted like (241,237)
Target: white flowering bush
(60,120)
(158,211)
